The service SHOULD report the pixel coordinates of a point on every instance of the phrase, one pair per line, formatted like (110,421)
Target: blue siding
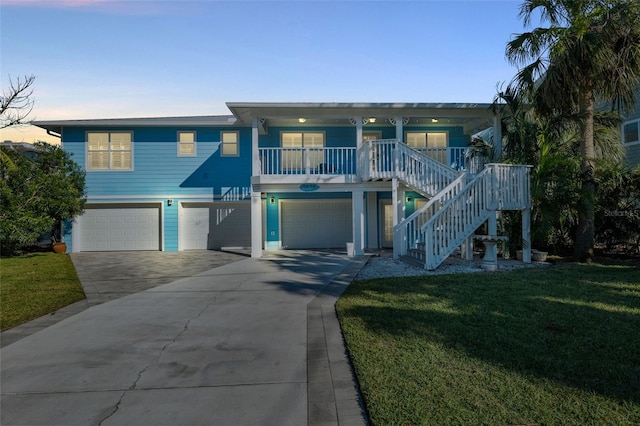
(157,169)
(341,136)
(273,219)
(159,173)
(171,226)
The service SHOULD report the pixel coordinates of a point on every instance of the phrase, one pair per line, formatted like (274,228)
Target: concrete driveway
(111,275)
(251,342)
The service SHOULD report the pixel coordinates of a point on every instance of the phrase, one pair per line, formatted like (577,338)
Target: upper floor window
(186,144)
(109,151)
(296,158)
(371,136)
(434,143)
(427,139)
(631,131)
(230,145)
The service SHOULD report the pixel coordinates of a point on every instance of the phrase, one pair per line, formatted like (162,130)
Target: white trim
(181,197)
(372,219)
(256,225)
(222,143)
(426,132)
(179,143)
(162,239)
(75,238)
(109,170)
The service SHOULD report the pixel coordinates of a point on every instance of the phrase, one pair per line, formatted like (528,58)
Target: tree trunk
(585,233)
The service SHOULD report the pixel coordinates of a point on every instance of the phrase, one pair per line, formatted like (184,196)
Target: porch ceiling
(472,116)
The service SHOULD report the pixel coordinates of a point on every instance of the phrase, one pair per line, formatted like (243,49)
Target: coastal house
(273,176)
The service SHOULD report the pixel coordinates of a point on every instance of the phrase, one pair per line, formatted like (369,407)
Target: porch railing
(469,159)
(342,160)
(307,161)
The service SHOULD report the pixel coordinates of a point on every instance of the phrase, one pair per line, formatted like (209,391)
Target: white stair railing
(421,172)
(409,232)
(388,158)
(452,216)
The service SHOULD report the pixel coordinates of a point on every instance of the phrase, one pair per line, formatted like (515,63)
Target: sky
(150,58)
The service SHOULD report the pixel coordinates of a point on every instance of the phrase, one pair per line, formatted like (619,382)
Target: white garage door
(215,225)
(119,228)
(316,224)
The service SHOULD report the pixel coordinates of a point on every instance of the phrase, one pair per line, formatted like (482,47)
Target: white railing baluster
(308,161)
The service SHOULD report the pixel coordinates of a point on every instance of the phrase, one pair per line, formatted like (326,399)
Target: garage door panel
(316,224)
(211,226)
(111,228)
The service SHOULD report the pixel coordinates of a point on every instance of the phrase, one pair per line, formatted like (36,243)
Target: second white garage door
(119,227)
(215,225)
(316,224)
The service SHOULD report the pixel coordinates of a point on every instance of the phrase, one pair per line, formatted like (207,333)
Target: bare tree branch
(16,102)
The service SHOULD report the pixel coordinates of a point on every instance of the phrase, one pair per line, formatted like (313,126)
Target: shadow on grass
(575,324)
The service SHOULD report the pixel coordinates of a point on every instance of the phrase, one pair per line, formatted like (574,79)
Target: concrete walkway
(253,342)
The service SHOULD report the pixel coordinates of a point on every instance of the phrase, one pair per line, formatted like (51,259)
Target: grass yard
(552,346)
(34,285)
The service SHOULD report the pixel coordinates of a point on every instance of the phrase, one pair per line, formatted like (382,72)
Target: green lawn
(34,285)
(552,346)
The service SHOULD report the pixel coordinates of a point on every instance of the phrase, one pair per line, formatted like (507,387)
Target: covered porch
(343,153)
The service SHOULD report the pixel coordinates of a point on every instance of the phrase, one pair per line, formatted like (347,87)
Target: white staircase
(459,202)
(388,159)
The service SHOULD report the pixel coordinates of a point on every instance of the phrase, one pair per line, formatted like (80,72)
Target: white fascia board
(191,121)
(245,111)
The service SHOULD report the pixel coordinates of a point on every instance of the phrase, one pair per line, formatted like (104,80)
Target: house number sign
(309,187)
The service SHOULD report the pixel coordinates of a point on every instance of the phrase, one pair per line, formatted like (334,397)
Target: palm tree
(589,52)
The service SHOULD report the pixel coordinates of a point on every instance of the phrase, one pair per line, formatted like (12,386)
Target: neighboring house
(292,176)
(27,149)
(631,135)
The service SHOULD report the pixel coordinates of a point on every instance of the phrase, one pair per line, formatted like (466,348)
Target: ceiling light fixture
(434,120)
(372,120)
(301,120)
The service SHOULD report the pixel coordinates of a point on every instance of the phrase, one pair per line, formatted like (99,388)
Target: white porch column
(399,122)
(357,203)
(526,235)
(497,138)
(492,223)
(359,124)
(395,202)
(372,224)
(466,249)
(256,202)
(255,153)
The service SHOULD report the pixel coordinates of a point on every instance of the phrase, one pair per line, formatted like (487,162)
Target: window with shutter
(109,151)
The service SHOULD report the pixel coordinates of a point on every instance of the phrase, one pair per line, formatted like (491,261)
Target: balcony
(307,165)
(347,165)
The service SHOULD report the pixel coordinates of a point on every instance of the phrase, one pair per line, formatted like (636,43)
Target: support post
(256,202)
(466,250)
(357,202)
(526,235)
(255,153)
(497,138)
(492,223)
(395,215)
(372,223)
(359,123)
(399,128)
